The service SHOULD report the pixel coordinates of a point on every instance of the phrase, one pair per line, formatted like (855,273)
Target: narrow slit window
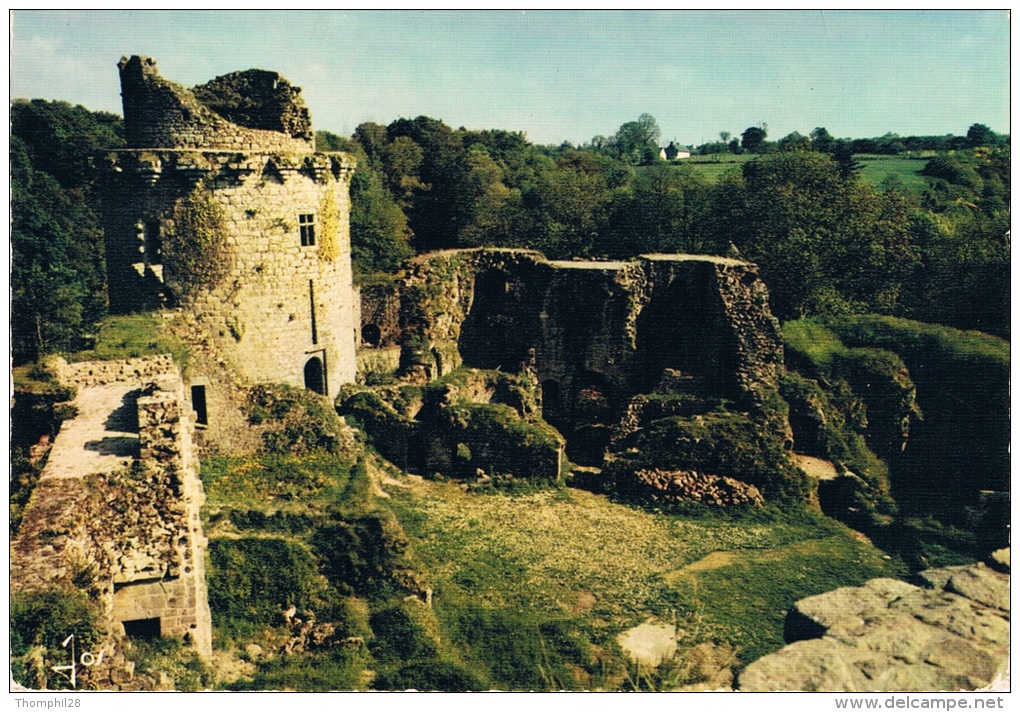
(306,221)
(153,243)
(311,301)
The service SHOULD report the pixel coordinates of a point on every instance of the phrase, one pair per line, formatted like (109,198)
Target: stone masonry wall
(131,536)
(161,114)
(617,326)
(275,291)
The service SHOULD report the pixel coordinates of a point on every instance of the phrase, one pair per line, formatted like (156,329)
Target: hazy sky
(558,75)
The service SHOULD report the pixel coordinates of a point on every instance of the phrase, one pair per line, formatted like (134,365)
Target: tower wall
(253,241)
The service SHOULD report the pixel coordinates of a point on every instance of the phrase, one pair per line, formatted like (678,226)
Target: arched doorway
(371,335)
(315,376)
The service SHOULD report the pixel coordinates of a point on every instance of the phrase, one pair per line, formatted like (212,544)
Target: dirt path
(101,438)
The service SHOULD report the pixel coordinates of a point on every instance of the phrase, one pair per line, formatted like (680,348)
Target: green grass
(276,483)
(875,169)
(131,336)
(811,340)
(579,560)
(715,166)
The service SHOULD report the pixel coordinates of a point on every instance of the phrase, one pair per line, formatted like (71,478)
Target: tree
(794,142)
(821,140)
(58,282)
(638,141)
(753,138)
(979,135)
(724,136)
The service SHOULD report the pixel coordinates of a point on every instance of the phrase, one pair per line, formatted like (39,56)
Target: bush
(406,632)
(296,421)
(363,555)
(39,623)
(252,580)
(727,444)
(434,675)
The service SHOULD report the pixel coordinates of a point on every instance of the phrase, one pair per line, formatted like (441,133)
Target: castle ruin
(221,205)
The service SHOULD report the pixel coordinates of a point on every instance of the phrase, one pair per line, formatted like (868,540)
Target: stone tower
(221,206)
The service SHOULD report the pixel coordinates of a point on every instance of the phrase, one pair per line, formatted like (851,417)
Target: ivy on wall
(194,248)
(329,241)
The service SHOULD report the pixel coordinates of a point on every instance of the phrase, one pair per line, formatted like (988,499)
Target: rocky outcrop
(889,635)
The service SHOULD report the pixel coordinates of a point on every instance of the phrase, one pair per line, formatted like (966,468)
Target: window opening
(306,221)
(153,243)
(198,405)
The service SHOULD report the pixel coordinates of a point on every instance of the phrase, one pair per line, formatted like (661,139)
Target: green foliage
(501,441)
(406,631)
(362,555)
(340,670)
(532,590)
(252,580)
(745,603)
(519,649)
(39,623)
(194,248)
(168,656)
(296,421)
(727,444)
(243,482)
(380,236)
(57,277)
(431,675)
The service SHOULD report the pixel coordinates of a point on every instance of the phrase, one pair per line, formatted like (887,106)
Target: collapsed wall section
(161,114)
(124,528)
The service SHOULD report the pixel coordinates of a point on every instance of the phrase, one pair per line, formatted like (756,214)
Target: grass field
(606,566)
(874,168)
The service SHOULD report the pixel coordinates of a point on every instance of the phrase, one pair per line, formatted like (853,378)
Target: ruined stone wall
(616,327)
(161,114)
(130,535)
(380,315)
(272,280)
(134,371)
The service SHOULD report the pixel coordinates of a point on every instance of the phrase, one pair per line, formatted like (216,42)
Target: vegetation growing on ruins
(329,227)
(193,242)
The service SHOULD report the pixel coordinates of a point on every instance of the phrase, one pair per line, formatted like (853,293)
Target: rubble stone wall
(132,537)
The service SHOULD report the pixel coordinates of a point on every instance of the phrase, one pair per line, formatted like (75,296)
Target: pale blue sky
(558,75)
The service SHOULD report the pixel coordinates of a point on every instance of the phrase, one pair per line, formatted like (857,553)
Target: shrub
(363,555)
(727,444)
(432,675)
(39,623)
(296,421)
(252,580)
(406,632)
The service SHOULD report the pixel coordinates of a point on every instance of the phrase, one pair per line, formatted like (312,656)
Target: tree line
(754,139)
(827,242)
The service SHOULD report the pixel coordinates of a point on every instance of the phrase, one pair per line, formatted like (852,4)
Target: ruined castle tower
(220,205)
